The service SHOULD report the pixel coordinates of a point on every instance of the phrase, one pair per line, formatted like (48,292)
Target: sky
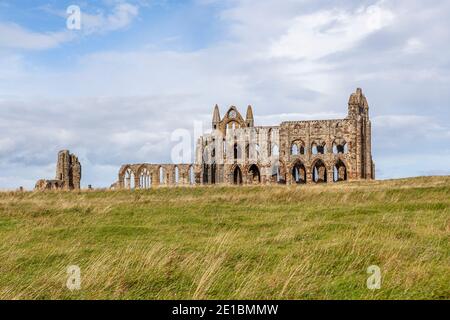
(113,91)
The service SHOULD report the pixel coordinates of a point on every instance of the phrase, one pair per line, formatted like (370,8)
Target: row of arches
(253,175)
(298,173)
(252,151)
(145,177)
(320,147)
(210,174)
(319,172)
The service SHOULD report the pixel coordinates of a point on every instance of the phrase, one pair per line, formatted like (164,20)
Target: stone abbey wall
(295,152)
(147,175)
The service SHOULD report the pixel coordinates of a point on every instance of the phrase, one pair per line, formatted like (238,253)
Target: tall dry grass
(297,242)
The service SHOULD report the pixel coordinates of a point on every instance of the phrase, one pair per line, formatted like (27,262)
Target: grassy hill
(305,242)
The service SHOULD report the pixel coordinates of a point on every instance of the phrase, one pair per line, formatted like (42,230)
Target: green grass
(297,242)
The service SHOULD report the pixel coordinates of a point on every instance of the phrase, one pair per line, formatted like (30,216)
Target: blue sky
(114,91)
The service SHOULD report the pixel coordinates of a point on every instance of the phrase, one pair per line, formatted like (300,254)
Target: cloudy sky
(114,91)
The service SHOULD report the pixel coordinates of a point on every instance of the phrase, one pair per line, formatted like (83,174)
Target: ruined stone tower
(358,110)
(68,174)
(68,170)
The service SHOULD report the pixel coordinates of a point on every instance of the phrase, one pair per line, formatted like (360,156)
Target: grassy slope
(307,242)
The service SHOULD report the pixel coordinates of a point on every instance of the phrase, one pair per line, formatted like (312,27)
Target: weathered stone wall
(43,184)
(68,174)
(237,152)
(309,151)
(319,144)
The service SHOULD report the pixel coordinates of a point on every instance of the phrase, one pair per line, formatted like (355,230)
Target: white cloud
(273,119)
(411,127)
(401,120)
(13,36)
(324,32)
(413,46)
(6,145)
(120,17)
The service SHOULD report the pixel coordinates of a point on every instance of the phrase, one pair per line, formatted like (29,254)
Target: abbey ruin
(68,174)
(295,152)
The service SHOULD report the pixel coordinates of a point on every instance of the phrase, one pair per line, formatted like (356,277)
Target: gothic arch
(340,171)
(254,174)
(237,175)
(206,157)
(340,146)
(237,151)
(297,147)
(124,169)
(162,175)
(298,172)
(279,172)
(318,171)
(130,179)
(145,178)
(318,147)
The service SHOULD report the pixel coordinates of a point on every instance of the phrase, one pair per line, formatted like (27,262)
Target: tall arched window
(237,175)
(129,179)
(206,155)
(339,172)
(319,172)
(254,174)
(145,180)
(299,173)
(237,154)
(257,151)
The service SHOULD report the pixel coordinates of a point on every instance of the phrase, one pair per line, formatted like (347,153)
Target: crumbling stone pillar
(68,174)
(68,170)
